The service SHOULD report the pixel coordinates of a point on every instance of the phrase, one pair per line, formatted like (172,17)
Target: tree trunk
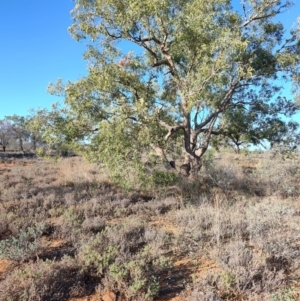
(196,165)
(34,144)
(4,147)
(21,145)
(191,166)
(236,149)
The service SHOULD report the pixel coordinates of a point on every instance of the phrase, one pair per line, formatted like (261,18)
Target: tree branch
(201,150)
(257,17)
(221,108)
(159,152)
(171,129)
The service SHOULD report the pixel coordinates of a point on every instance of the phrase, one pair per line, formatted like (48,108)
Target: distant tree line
(16,134)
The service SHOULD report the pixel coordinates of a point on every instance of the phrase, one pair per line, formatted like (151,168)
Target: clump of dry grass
(253,241)
(256,175)
(76,170)
(44,280)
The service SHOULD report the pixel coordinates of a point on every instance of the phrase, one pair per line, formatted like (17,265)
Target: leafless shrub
(261,176)
(48,200)
(194,221)
(280,176)
(230,177)
(5,220)
(70,198)
(198,295)
(94,224)
(273,225)
(211,287)
(46,280)
(244,272)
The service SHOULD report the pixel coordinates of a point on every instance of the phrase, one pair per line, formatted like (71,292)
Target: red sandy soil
(6,165)
(5,266)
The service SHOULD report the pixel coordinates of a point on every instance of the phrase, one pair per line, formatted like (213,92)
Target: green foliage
(101,261)
(208,158)
(164,178)
(23,246)
(110,255)
(228,278)
(72,222)
(283,295)
(15,132)
(199,72)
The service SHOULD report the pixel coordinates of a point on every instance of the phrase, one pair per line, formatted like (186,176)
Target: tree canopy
(166,77)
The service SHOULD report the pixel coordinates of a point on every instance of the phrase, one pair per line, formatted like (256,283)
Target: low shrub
(121,257)
(23,246)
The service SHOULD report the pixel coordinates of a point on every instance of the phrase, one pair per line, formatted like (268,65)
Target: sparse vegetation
(67,232)
(158,212)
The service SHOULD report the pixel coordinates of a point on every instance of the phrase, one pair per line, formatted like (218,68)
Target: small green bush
(23,246)
(122,257)
(160,177)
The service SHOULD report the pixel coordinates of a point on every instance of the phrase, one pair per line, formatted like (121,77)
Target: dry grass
(67,232)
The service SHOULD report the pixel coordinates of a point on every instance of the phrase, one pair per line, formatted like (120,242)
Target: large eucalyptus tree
(163,74)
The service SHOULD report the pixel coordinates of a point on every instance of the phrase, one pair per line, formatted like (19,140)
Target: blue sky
(36,49)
